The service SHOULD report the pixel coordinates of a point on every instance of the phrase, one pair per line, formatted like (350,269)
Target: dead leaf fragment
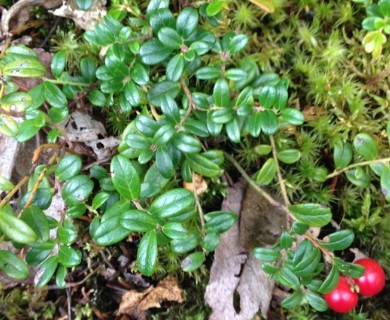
(199,184)
(135,303)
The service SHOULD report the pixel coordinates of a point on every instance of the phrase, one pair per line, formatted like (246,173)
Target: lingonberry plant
(185,91)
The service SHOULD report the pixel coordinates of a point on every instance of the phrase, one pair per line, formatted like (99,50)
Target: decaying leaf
(235,270)
(104,148)
(267,5)
(200,185)
(135,303)
(80,127)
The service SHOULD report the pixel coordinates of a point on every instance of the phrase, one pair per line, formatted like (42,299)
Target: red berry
(342,299)
(373,280)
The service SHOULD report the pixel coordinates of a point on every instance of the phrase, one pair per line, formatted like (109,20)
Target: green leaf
(373,42)
(365,146)
(67,233)
(385,182)
(68,256)
(331,281)
(58,63)
(233,131)
(13,266)
(193,261)
(84,4)
(268,122)
(175,230)
(267,96)
(29,68)
(60,276)
(289,156)
(286,240)
(287,278)
(164,163)
(203,166)
(147,253)
(153,52)
(214,7)
(316,302)
(293,300)
(132,94)
(54,96)
(281,95)
(358,177)
(308,265)
(339,240)
(267,172)
(172,203)
(99,200)
(187,21)
(211,241)
(28,128)
(5,184)
(77,189)
(221,93)
(266,254)
(255,124)
(16,229)
(68,167)
(138,221)
(37,221)
(8,126)
(88,69)
(197,128)
(219,221)
(236,74)
(238,43)
(175,68)
(39,252)
(163,135)
(186,143)
(292,116)
(170,38)
(162,90)
(170,109)
(76,211)
(181,246)
(16,102)
(161,17)
(342,155)
(208,73)
(125,177)
(313,214)
(46,271)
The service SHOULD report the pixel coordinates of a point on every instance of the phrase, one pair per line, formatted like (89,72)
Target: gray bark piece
(8,152)
(253,285)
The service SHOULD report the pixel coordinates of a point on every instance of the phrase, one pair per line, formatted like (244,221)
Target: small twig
(198,206)
(253,184)
(69,302)
(356,165)
(191,104)
(13,191)
(75,284)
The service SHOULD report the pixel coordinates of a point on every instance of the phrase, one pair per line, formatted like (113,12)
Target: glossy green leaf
(8,126)
(208,73)
(187,143)
(132,93)
(312,214)
(175,68)
(330,282)
(219,221)
(171,203)
(365,146)
(181,246)
(39,252)
(203,166)
(13,266)
(84,4)
(54,96)
(193,261)
(292,116)
(286,240)
(147,253)
(161,17)
(138,221)
(308,264)
(267,172)
(211,241)
(76,211)
(60,276)
(292,300)
(268,122)
(163,135)
(373,42)
(99,200)
(68,256)
(187,21)
(233,131)
(170,109)
(385,182)
(30,68)
(170,38)
(267,96)
(153,52)
(164,163)
(266,254)
(316,302)
(339,240)
(221,93)
(37,221)
(77,190)
(46,271)
(125,177)
(16,229)
(68,167)
(342,155)
(287,277)
(255,124)
(161,90)
(214,7)
(289,156)
(16,102)
(5,184)
(67,233)
(175,230)
(236,74)
(358,177)
(58,63)
(238,43)
(281,95)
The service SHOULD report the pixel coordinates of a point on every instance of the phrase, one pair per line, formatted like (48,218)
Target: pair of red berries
(343,299)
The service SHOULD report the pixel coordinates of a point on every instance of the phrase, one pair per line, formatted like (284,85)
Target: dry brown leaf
(135,303)
(200,185)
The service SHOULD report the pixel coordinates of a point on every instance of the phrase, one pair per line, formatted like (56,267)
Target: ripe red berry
(342,299)
(373,280)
